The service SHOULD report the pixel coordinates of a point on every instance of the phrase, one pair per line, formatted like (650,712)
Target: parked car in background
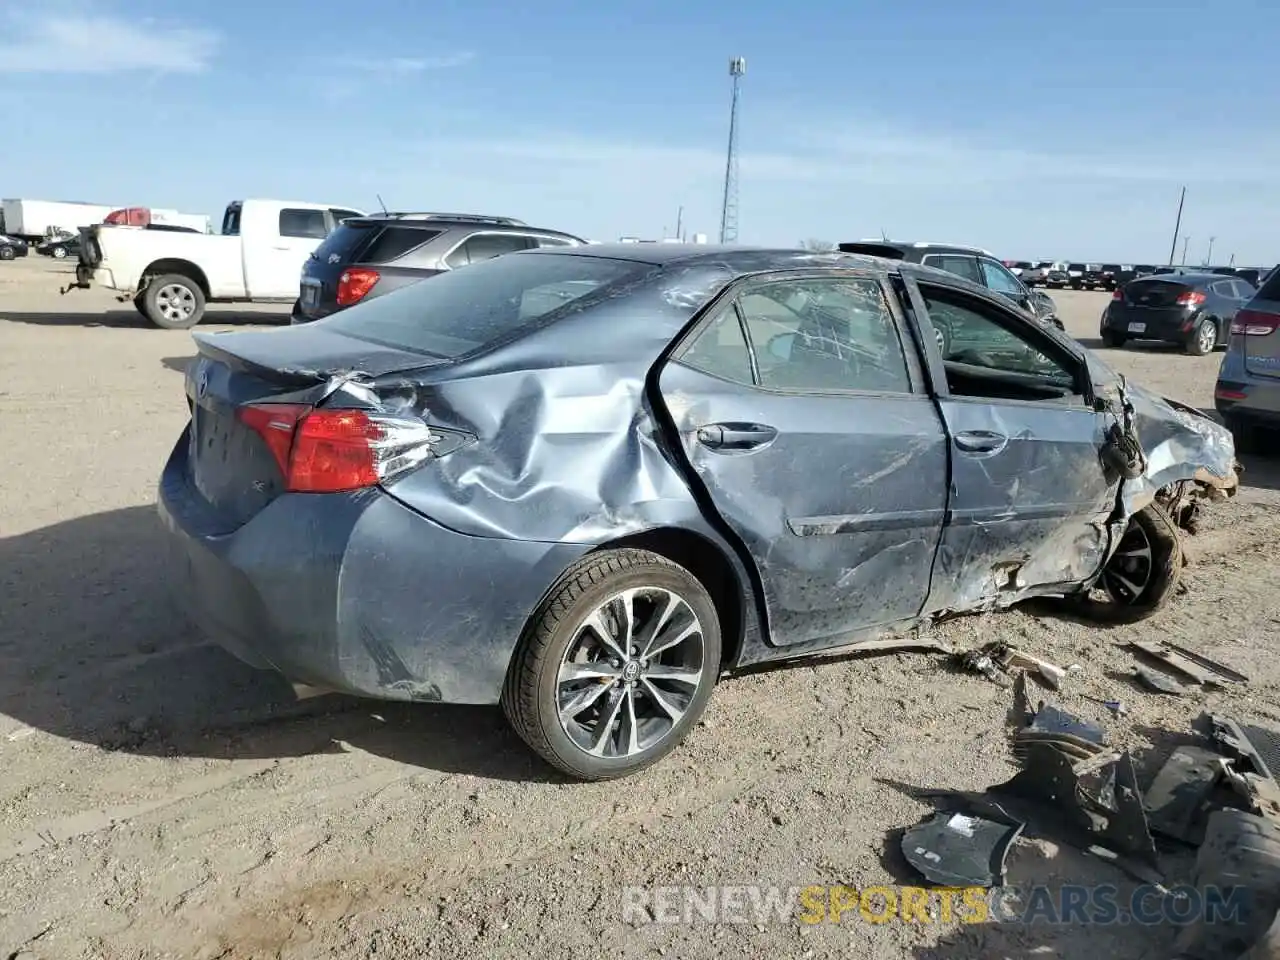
(583,482)
(367,257)
(1018,268)
(973,263)
(1254,275)
(1143,270)
(1247,394)
(1076,275)
(1034,276)
(1191,309)
(172,274)
(12,247)
(59,247)
(1109,276)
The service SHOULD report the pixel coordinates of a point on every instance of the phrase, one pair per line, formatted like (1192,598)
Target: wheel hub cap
(630,673)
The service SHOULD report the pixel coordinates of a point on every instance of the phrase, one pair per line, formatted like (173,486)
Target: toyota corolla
(585,484)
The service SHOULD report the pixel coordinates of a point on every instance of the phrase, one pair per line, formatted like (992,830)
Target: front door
(810,430)
(1029,497)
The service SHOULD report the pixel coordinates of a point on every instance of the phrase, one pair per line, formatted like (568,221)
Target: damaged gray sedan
(586,483)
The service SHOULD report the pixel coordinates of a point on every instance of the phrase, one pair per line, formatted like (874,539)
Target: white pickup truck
(171,275)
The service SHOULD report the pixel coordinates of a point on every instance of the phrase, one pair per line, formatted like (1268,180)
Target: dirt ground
(158,799)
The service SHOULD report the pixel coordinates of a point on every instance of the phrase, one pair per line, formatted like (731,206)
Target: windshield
(466,309)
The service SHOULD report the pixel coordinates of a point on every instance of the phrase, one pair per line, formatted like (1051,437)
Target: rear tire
(1148,558)
(59,253)
(563,661)
(1114,340)
(1204,339)
(173,302)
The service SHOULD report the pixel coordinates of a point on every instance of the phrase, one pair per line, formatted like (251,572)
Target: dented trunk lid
(230,465)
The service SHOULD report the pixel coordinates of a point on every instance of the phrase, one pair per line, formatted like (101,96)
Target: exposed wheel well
(707,562)
(181,267)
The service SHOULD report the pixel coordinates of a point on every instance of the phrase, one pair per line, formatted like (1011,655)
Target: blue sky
(1034,129)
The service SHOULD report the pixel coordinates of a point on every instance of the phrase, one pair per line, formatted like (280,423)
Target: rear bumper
(1243,395)
(357,593)
(1169,326)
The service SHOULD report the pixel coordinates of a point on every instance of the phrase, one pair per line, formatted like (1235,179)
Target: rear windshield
(469,308)
(343,240)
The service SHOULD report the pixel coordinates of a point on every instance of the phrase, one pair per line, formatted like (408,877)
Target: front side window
(310,224)
(824,334)
(990,354)
(999,279)
(966,267)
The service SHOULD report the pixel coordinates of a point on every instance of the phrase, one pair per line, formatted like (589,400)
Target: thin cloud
(66,43)
(402,66)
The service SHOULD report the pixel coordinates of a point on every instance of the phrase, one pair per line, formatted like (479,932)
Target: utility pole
(680,224)
(1177,226)
(729,206)
(1185,241)
(1208,259)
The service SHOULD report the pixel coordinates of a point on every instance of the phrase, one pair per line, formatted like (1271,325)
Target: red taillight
(275,423)
(354,284)
(1255,323)
(1224,392)
(328,451)
(1191,299)
(1118,294)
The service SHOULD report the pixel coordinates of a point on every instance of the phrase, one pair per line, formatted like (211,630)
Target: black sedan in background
(12,247)
(1192,309)
(59,247)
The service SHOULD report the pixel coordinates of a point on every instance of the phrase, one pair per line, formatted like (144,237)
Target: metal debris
(1199,669)
(1158,682)
(958,850)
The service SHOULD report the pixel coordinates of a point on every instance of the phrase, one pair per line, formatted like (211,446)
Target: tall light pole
(729,206)
(1185,241)
(1208,258)
(1173,247)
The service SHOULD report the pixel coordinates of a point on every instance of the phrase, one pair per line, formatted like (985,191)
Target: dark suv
(972,263)
(366,257)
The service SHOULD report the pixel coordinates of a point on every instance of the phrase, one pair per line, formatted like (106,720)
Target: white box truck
(34,220)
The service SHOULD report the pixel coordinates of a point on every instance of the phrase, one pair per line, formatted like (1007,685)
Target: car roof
(1187,276)
(431,219)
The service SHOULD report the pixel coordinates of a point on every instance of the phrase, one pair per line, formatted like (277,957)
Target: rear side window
(1154,293)
(394,242)
(825,335)
(461,311)
(231,222)
(486,246)
(966,267)
(310,224)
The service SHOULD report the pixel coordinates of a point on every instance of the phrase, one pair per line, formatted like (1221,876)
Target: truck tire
(173,302)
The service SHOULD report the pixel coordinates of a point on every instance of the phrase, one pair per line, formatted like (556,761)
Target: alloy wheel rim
(1208,334)
(176,302)
(1128,573)
(630,673)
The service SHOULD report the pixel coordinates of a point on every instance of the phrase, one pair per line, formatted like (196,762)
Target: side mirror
(780,344)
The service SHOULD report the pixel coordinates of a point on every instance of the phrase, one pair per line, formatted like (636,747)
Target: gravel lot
(159,799)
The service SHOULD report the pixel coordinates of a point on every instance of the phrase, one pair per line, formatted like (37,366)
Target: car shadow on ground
(130,318)
(94,648)
(177,364)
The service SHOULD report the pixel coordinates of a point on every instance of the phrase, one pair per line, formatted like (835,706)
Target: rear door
(810,429)
(1029,499)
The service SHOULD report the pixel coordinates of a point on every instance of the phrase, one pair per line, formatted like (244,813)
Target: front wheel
(173,302)
(616,665)
(6,253)
(59,253)
(1204,339)
(1142,574)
